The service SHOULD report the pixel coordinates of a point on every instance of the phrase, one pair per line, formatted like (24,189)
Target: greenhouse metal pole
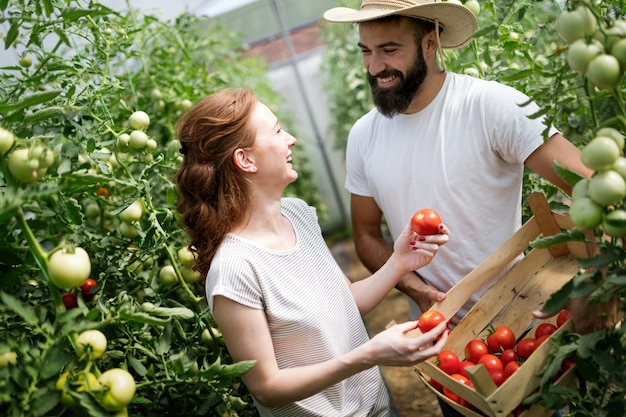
(318,137)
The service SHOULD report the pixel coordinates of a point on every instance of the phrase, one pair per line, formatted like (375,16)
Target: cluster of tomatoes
(114,388)
(500,353)
(88,290)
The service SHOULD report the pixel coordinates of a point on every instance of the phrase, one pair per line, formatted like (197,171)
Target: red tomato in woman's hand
(448,362)
(429,320)
(475,349)
(501,338)
(426,222)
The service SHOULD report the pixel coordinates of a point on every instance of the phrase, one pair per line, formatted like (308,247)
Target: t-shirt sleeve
(514,135)
(232,277)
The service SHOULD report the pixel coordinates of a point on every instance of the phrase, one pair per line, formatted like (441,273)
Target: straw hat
(457,21)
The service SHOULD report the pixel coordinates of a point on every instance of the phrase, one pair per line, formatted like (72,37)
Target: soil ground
(410,397)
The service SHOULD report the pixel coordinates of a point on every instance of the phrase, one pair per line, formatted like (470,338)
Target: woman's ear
(244,161)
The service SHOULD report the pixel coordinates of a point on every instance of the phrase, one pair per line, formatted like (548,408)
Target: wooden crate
(510,301)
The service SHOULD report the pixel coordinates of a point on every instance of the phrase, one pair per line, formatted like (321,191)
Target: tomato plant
(429,320)
(425,222)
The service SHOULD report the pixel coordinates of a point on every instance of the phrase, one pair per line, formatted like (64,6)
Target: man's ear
(244,161)
(429,43)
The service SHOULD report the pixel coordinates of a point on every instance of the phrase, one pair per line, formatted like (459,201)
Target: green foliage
(84,69)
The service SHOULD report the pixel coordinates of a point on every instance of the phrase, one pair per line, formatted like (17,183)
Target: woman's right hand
(392,347)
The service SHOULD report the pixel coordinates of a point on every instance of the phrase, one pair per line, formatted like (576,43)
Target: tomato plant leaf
(569,176)
(137,365)
(12,34)
(23,310)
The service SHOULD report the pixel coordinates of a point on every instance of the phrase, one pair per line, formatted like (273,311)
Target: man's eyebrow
(382,45)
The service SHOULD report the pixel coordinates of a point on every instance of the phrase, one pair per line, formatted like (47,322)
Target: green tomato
(132,213)
(68,269)
(129,231)
(614,223)
(580,53)
(186,256)
(25,61)
(604,72)
(600,154)
(580,189)
(121,389)
(7,140)
(614,134)
(167,275)
(585,213)
(8,358)
(151,145)
(22,167)
(80,384)
(618,50)
(91,343)
(607,187)
(620,166)
(189,275)
(92,210)
(138,139)
(139,120)
(473,6)
(576,24)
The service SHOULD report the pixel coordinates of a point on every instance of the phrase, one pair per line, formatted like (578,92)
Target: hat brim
(458,22)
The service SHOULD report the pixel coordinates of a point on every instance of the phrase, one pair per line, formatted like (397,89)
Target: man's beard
(394,100)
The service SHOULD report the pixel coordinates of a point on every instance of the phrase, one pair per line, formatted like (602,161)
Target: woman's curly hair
(213,196)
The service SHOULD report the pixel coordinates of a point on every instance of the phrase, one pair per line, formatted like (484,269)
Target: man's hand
(423,294)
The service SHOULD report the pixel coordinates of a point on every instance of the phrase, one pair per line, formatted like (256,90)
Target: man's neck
(427,92)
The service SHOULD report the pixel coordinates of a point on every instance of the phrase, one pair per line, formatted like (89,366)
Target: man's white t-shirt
(463,156)
(310,311)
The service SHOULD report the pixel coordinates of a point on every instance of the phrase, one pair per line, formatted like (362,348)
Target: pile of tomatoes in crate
(501,353)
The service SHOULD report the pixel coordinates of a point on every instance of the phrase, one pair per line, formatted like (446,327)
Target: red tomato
(508,355)
(448,362)
(544,329)
(69,300)
(540,340)
(491,362)
(455,397)
(562,318)
(498,377)
(429,320)
(475,349)
(510,368)
(500,339)
(525,347)
(463,365)
(426,222)
(89,289)
(436,385)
